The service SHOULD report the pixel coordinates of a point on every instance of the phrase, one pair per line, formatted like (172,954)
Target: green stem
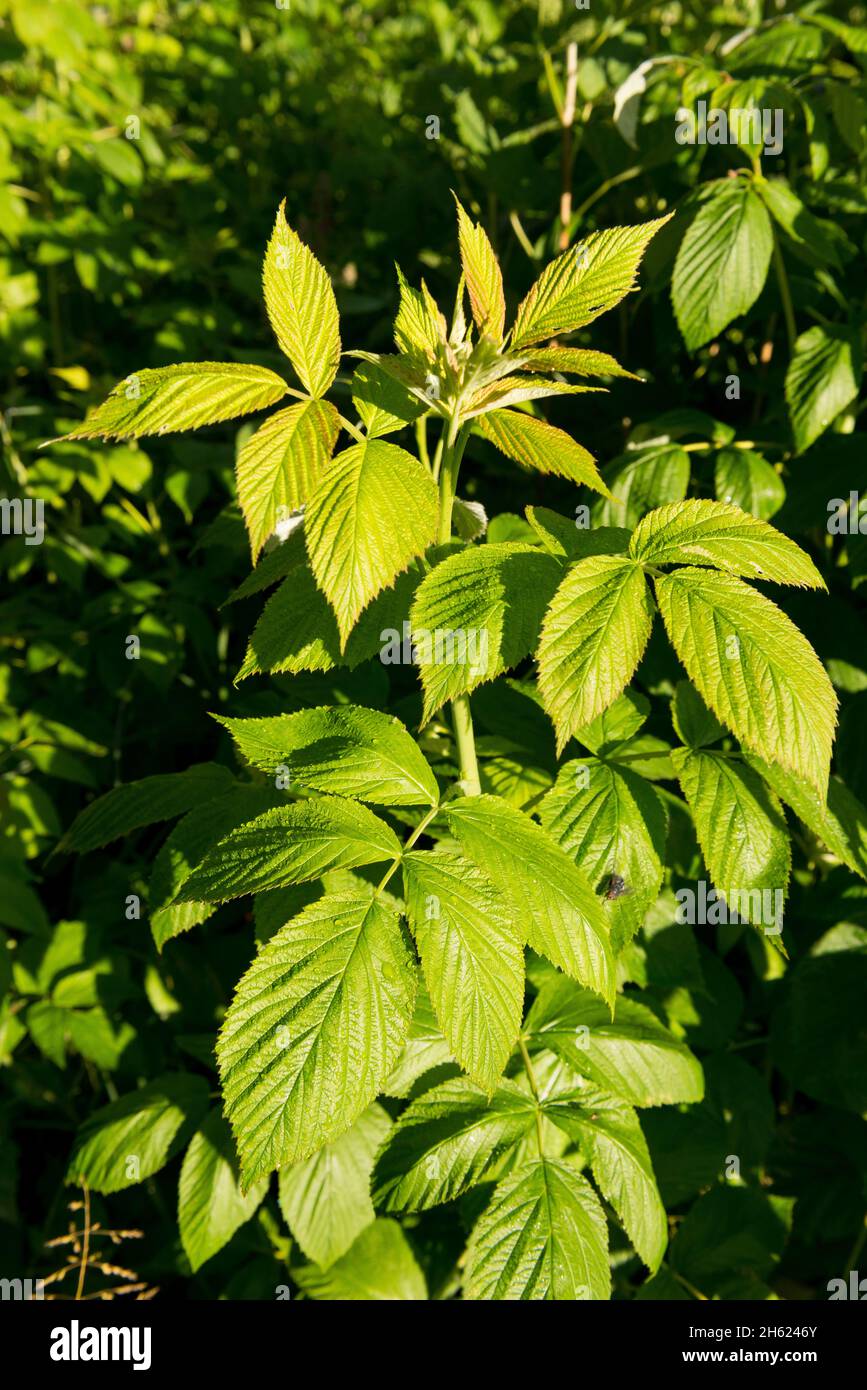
(785,294)
(462,721)
(419,830)
(531,1077)
(518,229)
(450,463)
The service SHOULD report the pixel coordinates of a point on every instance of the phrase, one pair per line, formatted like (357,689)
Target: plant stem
(462,721)
(567,148)
(518,229)
(448,477)
(419,830)
(85,1244)
(531,1077)
(785,294)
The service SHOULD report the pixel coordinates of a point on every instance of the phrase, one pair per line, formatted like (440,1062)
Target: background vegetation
(122,253)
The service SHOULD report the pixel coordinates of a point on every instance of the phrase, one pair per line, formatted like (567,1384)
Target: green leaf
(723,261)
(542,1236)
(477,614)
(578,361)
(185,848)
(301,307)
(535,444)
(383,403)
(693,722)
(290,844)
(375,510)
(742,833)
(425,1049)
(809,233)
(753,668)
(543,888)
(298,631)
(316,1026)
(135,1136)
(146,802)
(565,539)
(419,328)
(273,566)
(639,480)
(483,276)
(346,750)
(514,390)
(824,377)
(841,824)
(593,638)
(451,1138)
(617,724)
(818,1040)
(326,1198)
(620,1161)
(472,958)
(632,1055)
(611,822)
(211,1206)
(744,478)
(379,1267)
(586,281)
(163,400)
(700,532)
(280,465)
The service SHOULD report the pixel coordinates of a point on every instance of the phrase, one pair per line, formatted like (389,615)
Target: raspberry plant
(444,1001)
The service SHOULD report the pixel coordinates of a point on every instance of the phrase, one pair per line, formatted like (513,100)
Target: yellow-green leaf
(316,1025)
(280,465)
(375,510)
(701,532)
(301,306)
(483,276)
(586,281)
(578,361)
(186,396)
(593,637)
(535,444)
(753,668)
